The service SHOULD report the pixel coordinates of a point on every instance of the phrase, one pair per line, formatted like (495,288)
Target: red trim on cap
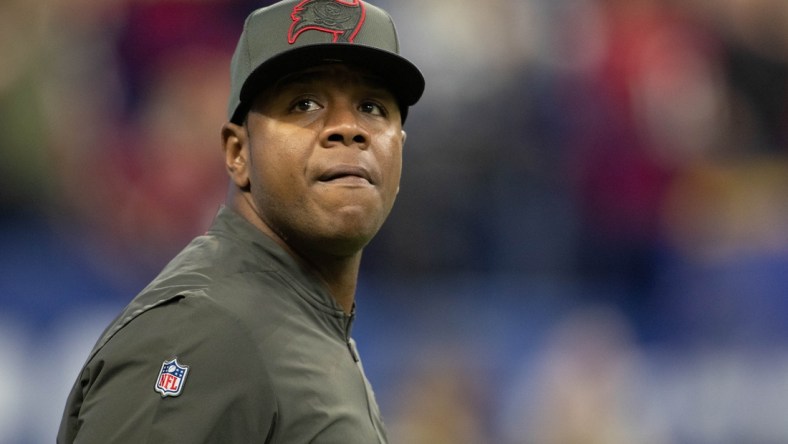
(349,10)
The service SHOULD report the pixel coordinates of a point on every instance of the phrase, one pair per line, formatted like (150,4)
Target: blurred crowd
(589,246)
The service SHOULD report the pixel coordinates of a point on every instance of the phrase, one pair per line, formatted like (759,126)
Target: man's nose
(342,126)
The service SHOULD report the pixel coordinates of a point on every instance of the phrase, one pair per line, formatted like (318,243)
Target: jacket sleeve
(226,395)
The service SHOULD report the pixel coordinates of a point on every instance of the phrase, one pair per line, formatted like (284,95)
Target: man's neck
(338,273)
(340,277)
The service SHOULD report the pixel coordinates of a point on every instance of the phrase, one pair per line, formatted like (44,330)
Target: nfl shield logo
(171,378)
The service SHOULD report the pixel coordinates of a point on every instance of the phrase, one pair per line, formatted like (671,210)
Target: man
(245,335)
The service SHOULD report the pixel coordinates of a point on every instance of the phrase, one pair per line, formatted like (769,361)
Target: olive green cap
(293,35)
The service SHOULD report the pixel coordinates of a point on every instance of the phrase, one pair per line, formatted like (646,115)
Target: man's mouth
(346,174)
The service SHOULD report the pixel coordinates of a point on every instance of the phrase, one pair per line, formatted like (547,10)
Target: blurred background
(590,244)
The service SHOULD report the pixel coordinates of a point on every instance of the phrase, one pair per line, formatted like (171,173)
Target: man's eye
(372,108)
(304,105)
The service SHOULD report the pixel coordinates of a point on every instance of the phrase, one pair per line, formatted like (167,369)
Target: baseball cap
(293,35)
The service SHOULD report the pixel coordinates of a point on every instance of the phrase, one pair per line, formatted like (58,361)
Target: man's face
(325,158)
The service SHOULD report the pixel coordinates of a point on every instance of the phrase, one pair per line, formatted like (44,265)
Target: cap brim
(402,76)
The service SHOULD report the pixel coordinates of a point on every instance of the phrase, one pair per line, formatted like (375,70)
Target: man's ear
(235,144)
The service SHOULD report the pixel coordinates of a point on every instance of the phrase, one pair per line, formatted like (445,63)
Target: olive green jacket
(232,343)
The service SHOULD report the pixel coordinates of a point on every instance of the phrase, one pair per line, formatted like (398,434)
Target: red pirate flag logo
(343,19)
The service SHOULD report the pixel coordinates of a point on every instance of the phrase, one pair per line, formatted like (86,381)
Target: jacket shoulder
(225,388)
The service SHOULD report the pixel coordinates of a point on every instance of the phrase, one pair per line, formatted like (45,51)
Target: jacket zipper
(348,342)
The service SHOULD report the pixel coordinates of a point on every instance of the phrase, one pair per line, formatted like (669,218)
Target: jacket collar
(270,255)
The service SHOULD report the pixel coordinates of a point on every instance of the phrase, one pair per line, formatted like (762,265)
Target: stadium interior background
(589,246)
